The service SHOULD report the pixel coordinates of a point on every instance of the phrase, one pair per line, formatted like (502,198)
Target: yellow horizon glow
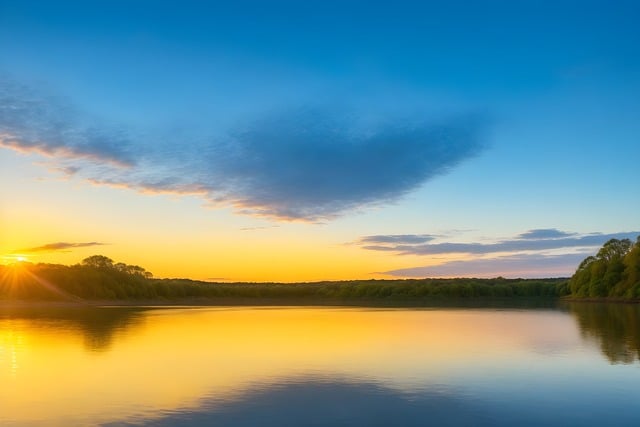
(177,236)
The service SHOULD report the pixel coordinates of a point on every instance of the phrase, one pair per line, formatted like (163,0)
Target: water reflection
(615,327)
(309,401)
(98,326)
(331,366)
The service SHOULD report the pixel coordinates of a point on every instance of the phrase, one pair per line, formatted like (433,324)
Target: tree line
(613,272)
(100,278)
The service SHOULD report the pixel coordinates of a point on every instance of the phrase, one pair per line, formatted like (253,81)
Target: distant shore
(470,302)
(612,300)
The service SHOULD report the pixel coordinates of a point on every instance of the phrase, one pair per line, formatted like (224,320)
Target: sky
(319,140)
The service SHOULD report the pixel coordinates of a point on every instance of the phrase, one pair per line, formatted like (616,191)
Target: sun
(14,259)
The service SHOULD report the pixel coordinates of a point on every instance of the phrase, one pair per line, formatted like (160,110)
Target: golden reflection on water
(11,347)
(53,372)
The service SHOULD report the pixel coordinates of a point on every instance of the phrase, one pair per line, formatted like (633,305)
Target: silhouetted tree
(98,261)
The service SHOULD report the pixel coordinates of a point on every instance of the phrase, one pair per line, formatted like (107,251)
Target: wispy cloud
(544,233)
(58,246)
(534,253)
(525,266)
(396,239)
(309,164)
(32,122)
(262,227)
(533,240)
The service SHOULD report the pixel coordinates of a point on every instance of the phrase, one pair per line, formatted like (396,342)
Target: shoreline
(524,302)
(469,302)
(611,300)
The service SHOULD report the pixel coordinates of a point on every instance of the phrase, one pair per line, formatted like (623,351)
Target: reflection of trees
(616,327)
(98,326)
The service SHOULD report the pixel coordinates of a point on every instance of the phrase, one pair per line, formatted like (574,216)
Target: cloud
(534,253)
(31,122)
(397,239)
(264,227)
(534,240)
(313,164)
(58,246)
(525,266)
(544,233)
(309,164)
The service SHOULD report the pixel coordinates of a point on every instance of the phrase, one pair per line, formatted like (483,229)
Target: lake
(567,365)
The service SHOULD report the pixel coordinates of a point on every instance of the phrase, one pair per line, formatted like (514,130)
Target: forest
(614,272)
(99,278)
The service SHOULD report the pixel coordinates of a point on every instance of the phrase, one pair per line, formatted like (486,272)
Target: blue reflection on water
(310,401)
(318,402)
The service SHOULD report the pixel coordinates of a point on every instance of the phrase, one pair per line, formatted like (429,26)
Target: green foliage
(99,278)
(613,272)
(96,277)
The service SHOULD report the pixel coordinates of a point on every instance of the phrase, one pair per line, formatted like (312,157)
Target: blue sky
(353,119)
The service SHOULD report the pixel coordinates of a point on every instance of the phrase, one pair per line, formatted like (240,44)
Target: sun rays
(18,280)
(12,277)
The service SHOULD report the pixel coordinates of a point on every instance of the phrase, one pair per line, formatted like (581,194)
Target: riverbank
(114,284)
(613,300)
(470,302)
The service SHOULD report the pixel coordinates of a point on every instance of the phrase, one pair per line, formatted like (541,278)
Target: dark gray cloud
(31,122)
(525,266)
(314,164)
(517,244)
(305,164)
(58,246)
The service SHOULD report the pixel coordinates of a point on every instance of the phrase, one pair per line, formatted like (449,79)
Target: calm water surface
(576,365)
